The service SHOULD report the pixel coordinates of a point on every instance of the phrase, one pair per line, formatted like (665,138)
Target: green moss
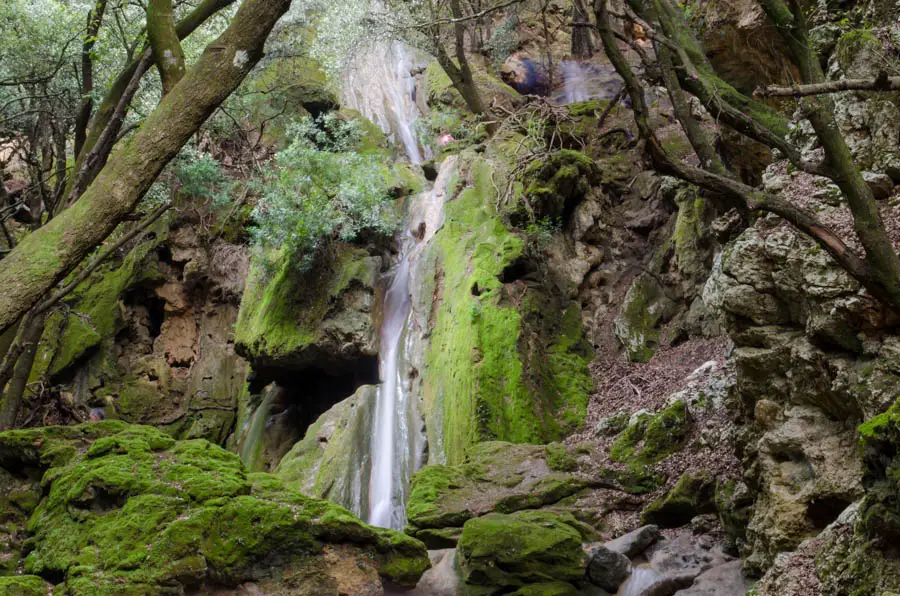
(853,44)
(528,547)
(94,315)
(130,507)
(281,312)
(652,437)
(547,589)
(476,380)
(24,585)
(559,458)
(692,495)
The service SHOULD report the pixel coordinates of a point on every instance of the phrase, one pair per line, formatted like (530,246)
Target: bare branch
(880,83)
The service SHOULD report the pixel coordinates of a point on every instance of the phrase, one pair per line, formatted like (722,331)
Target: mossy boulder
(553,187)
(127,509)
(692,495)
(652,437)
(505,478)
(334,450)
(24,585)
(507,359)
(645,308)
(324,316)
(503,552)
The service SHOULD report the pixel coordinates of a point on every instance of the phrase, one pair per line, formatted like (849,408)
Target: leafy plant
(321,188)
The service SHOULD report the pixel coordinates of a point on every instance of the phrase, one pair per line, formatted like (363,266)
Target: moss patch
(484,371)
(504,552)
(652,437)
(129,510)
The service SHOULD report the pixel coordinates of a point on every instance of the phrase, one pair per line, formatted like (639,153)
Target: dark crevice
(822,512)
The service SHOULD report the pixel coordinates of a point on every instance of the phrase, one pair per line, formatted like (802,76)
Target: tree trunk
(167,52)
(95,18)
(15,391)
(107,107)
(45,257)
(582,44)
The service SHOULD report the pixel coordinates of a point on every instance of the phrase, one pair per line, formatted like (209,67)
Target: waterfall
(391,431)
(583,81)
(398,439)
(379,84)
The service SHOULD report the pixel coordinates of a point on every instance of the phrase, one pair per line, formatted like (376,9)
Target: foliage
(201,176)
(504,41)
(320,188)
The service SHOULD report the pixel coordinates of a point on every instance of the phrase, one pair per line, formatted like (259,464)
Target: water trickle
(398,440)
(583,81)
(642,577)
(380,85)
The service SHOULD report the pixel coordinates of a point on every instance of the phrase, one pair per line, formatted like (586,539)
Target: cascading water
(379,84)
(389,462)
(397,438)
(583,81)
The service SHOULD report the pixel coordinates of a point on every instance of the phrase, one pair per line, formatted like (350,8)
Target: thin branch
(880,83)
(472,17)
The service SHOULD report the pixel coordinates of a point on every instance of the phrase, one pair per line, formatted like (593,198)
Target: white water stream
(380,85)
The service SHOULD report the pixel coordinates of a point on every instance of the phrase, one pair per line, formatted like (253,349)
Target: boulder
(635,542)
(323,317)
(503,552)
(692,495)
(607,568)
(127,509)
(497,476)
(722,580)
(645,308)
(334,454)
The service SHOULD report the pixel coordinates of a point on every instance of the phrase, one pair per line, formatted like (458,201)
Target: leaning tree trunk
(46,256)
(11,401)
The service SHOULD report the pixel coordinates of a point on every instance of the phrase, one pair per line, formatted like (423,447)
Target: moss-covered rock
(652,437)
(440,90)
(692,495)
(637,325)
(127,509)
(553,187)
(506,359)
(504,478)
(324,317)
(334,451)
(500,552)
(24,585)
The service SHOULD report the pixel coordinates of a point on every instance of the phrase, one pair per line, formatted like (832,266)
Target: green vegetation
(128,508)
(483,370)
(321,187)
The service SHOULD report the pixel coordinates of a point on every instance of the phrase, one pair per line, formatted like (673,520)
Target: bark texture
(45,257)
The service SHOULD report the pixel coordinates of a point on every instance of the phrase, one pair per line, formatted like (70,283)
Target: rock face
(127,509)
(148,339)
(506,358)
(502,552)
(333,457)
(324,317)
